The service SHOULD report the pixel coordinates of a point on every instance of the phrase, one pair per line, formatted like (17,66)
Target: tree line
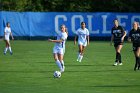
(70,5)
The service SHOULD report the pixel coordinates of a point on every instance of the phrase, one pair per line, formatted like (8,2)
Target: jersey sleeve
(77,32)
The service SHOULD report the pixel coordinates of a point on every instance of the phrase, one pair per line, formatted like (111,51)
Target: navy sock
(120,58)
(136,64)
(117,57)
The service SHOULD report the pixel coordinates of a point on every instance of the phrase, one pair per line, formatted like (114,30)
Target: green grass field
(30,69)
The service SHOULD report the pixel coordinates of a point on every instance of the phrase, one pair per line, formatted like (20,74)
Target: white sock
(62,62)
(63,67)
(59,64)
(81,57)
(5,49)
(10,49)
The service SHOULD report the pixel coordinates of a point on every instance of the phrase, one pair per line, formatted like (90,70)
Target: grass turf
(30,69)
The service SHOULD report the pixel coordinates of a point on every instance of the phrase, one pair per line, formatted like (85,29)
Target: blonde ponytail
(66,30)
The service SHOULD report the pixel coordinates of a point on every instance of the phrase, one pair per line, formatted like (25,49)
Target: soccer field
(30,69)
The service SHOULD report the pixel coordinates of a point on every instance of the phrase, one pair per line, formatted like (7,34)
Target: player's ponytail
(66,30)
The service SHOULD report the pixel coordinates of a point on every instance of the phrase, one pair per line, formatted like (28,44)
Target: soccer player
(59,48)
(134,36)
(118,35)
(7,34)
(83,40)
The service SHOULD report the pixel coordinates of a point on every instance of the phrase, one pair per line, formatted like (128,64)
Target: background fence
(45,24)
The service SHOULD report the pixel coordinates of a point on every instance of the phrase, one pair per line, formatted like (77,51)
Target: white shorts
(7,39)
(57,50)
(82,43)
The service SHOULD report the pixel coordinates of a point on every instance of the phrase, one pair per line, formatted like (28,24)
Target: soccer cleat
(115,64)
(120,64)
(4,53)
(11,53)
(77,60)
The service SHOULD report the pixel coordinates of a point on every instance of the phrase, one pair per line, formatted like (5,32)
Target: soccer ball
(57,74)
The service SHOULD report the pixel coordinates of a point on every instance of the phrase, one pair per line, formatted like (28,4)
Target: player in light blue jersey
(83,40)
(59,48)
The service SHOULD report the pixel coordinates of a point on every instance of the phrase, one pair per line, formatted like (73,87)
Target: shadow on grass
(115,86)
(87,65)
(25,71)
(100,71)
(67,71)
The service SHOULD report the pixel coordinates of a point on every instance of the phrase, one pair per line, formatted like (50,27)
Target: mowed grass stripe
(30,69)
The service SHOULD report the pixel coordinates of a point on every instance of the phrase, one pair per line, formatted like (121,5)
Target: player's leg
(9,47)
(80,46)
(6,47)
(139,58)
(116,60)
(60,57)
(58,63)
(55,55)
(118,55)
(137,55)
(82,53)
(136,62)
(11,52)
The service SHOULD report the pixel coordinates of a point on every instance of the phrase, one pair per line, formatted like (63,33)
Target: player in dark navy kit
(118,35)
(134,37)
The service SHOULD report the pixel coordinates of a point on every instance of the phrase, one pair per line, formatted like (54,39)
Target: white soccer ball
(57,74)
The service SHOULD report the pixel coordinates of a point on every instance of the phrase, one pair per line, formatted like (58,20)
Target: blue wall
(48,23)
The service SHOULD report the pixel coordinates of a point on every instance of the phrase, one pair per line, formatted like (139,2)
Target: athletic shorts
(117,44)
(135,47)
(57,50)
(7,39)
(82,43)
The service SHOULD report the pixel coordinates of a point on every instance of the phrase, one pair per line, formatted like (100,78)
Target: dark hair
(83,23)
(7,23)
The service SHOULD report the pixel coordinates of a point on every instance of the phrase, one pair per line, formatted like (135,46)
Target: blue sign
(48,23)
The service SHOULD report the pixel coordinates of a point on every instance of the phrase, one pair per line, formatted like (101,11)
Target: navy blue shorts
(117,44)
(136,46)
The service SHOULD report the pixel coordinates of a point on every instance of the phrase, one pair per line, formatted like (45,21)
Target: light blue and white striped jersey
(82,34)
(63,36)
